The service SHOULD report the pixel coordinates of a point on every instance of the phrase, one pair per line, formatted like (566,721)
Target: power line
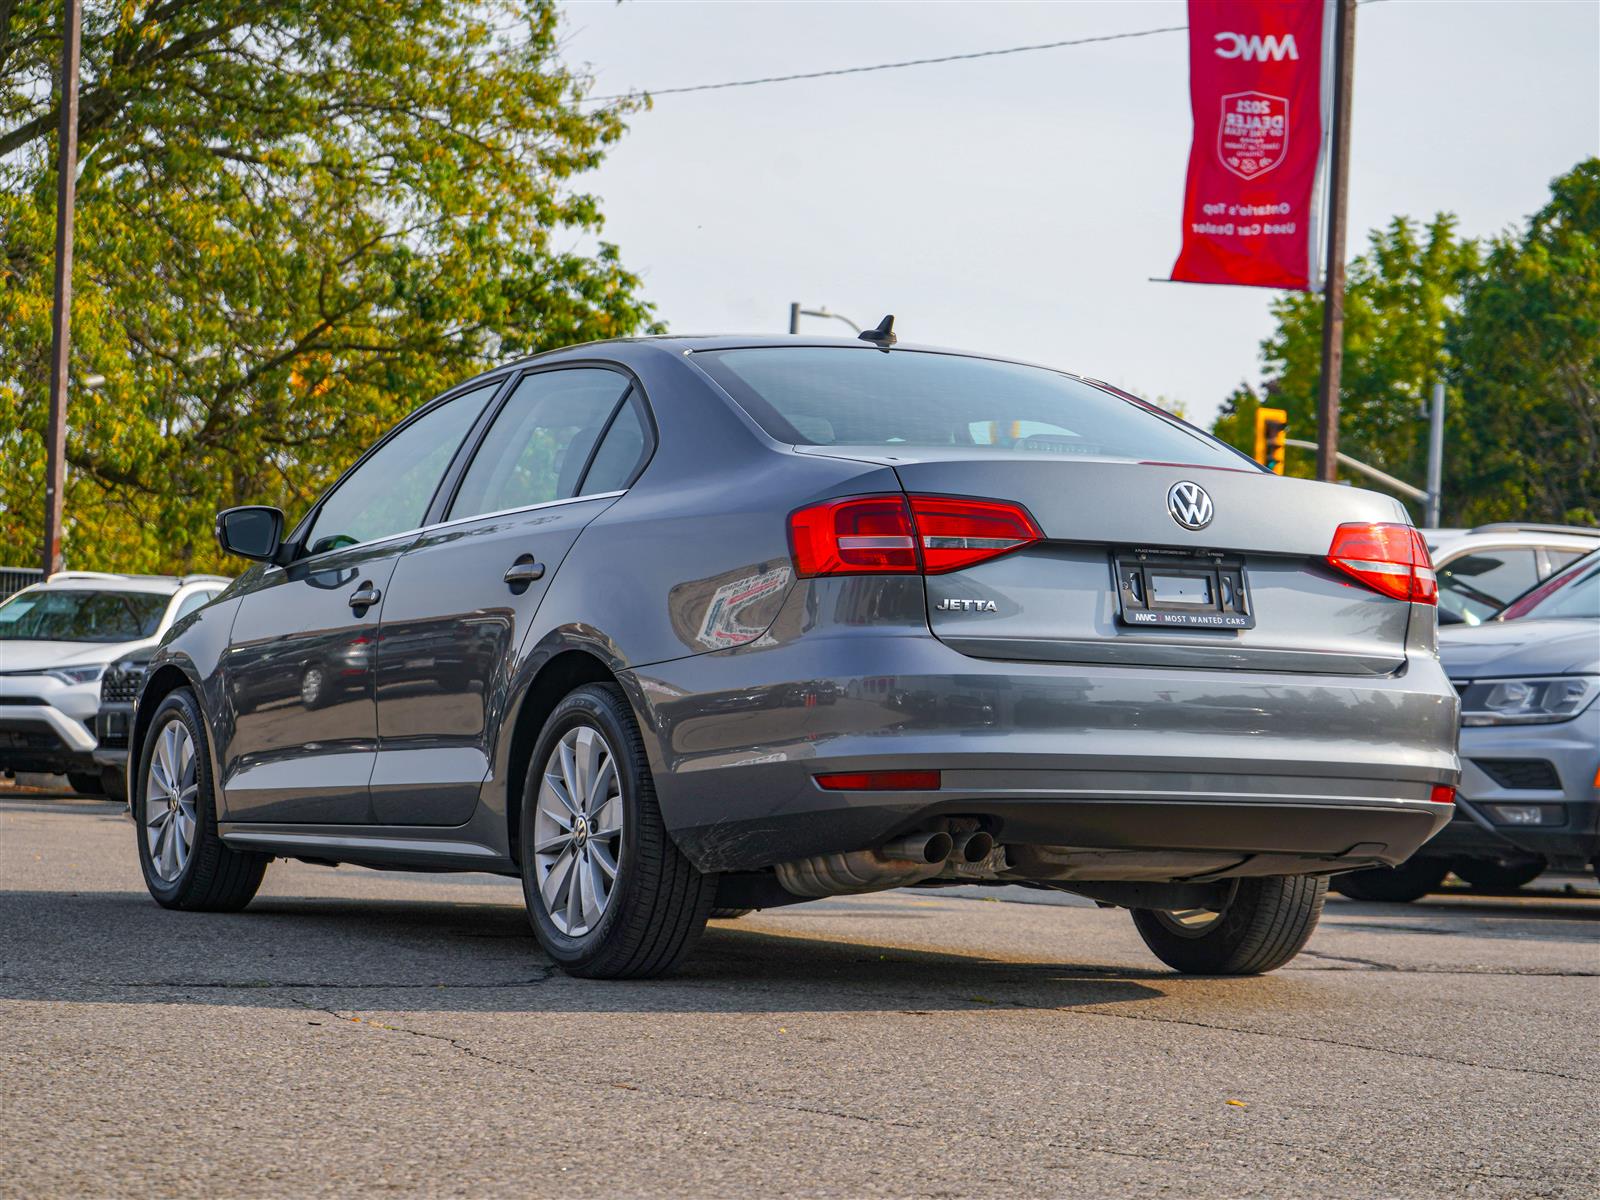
(894,66)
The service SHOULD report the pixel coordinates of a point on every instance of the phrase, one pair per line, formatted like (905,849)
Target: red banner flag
(1256,78)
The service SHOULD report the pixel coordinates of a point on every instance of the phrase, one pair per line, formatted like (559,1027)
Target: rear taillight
(1388,558)
(1442,793)
(898,535)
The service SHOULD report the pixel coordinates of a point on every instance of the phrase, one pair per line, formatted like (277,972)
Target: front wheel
(1492,876)
(1411,880)
(185,862)
(609,894)
(1266,923)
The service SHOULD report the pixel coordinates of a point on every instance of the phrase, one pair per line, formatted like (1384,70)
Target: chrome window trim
(421,529)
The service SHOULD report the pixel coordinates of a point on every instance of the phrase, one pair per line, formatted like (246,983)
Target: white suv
(56,639)
(1482,570)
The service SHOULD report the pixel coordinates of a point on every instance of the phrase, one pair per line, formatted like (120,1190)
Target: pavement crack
(676,1094)
(1321,1041)
(1370,963)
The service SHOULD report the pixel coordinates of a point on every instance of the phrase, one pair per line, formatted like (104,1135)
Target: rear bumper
(1167,773)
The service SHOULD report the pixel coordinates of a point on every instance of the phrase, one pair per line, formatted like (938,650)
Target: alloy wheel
(170,788)
(578,830)
(1189,922)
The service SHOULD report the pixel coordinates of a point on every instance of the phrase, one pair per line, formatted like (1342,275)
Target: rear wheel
(1411,880)
(186,864)
(609,894)
(85,783)
(1265,924)
(1495,876)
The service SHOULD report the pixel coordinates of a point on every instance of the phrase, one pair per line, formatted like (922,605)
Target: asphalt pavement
(358,1033)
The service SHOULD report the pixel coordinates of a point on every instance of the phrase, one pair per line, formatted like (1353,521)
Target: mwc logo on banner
(1256,90)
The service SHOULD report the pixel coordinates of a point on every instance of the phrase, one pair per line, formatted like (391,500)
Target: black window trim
(439,511)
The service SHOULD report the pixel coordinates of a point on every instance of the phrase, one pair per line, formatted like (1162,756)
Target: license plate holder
(1169,589)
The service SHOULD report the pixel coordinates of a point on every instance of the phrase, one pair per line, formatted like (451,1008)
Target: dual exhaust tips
(906,860)
(940,847)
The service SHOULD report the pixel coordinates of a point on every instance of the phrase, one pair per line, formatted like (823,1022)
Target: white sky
(1021,204)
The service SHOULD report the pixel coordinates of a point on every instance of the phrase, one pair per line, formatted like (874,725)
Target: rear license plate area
(1177,590)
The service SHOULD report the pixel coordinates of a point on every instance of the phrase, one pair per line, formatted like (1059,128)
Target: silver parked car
(57,638)
(676,625)
(1530,746)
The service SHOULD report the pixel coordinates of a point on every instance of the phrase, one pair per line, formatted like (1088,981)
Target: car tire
(186,864)
(1266,923)
(114,783)
(85,783)
(648,916)
(1411,880)
(1494,876)
(730,914)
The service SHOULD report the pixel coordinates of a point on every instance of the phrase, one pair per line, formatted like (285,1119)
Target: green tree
(296,220)
(1399,300)
(1527,442)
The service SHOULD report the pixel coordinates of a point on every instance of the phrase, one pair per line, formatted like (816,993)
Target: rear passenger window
(540,441)
(191,602)
(622,451)
(1490,577)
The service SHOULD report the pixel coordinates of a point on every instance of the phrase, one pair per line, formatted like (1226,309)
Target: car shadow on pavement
(118,948)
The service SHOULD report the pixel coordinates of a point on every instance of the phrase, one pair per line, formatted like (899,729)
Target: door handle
(365,596)
(524,571)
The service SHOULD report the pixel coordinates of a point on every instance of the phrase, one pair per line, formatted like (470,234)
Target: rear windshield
(827,396)
(63,616)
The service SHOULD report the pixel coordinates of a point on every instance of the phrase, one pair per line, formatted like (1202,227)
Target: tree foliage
(1399,299)
(1514,333)
(1529,347)
(296,220)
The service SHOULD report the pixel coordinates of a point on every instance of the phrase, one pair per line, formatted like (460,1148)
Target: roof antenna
(883,336)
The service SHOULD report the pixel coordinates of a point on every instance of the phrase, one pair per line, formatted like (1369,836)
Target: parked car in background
(638,606)
(1482,570)
(1529,798)
(56,640)
(119,688)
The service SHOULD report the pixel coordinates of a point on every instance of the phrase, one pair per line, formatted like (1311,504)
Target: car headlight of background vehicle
(1536,701)
(74,675)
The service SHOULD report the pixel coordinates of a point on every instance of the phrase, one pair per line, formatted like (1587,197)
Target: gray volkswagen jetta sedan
(678,627)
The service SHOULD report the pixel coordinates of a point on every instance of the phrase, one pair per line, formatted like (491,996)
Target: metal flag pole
(1344,54)
(61,317)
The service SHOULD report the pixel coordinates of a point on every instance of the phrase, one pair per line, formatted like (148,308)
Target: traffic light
(1272,426)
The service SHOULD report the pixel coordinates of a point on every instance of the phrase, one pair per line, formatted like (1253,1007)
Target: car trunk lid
(1059,599)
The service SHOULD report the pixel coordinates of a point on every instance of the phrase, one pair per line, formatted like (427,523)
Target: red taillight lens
(896,535)
(880,781)
(1442,793)
(865,535)
(955,532)
(1388,558)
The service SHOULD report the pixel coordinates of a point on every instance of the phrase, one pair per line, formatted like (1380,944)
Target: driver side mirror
(253,531)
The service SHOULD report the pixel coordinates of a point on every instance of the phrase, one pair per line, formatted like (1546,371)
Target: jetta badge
(1190,505)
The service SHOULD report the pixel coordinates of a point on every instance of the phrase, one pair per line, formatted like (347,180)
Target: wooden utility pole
(61,317)
(1344,56)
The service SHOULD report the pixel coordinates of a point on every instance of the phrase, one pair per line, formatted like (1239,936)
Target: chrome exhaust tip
(920,848)
(972,847)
